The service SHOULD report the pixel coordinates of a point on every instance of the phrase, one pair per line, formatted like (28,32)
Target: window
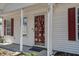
(78,21)
(0,26)
(8,27)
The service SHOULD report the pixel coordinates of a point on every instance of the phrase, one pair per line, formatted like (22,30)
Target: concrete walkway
(16,47)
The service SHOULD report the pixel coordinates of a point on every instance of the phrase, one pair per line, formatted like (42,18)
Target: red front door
(39,30)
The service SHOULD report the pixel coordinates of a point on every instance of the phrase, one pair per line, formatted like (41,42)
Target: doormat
(37,49)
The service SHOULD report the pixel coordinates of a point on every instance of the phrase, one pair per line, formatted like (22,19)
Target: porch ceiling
(6,7)
(2,5)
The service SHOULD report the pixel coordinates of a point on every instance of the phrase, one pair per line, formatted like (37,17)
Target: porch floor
(16,48)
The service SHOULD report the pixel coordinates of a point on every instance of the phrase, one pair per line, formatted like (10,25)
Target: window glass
(78,21)
(0,25)
(8,26)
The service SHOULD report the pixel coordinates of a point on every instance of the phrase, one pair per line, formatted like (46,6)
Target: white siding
(60,30)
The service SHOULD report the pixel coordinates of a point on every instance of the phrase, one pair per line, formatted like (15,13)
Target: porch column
(50,29)
(21,37)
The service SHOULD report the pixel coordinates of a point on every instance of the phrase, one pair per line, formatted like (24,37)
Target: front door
(40,30)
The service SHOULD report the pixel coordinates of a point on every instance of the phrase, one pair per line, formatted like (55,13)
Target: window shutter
(4,26)
(12,26)
(71,24)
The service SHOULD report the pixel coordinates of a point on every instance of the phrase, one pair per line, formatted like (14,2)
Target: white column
(21,37)
(50,29)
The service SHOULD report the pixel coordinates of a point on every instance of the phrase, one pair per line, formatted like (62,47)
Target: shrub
(2,39)
(28,54)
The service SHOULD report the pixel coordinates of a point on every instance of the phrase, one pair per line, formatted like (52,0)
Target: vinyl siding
(60,30)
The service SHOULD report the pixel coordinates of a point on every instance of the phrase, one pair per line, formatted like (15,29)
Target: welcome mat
(37,49)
